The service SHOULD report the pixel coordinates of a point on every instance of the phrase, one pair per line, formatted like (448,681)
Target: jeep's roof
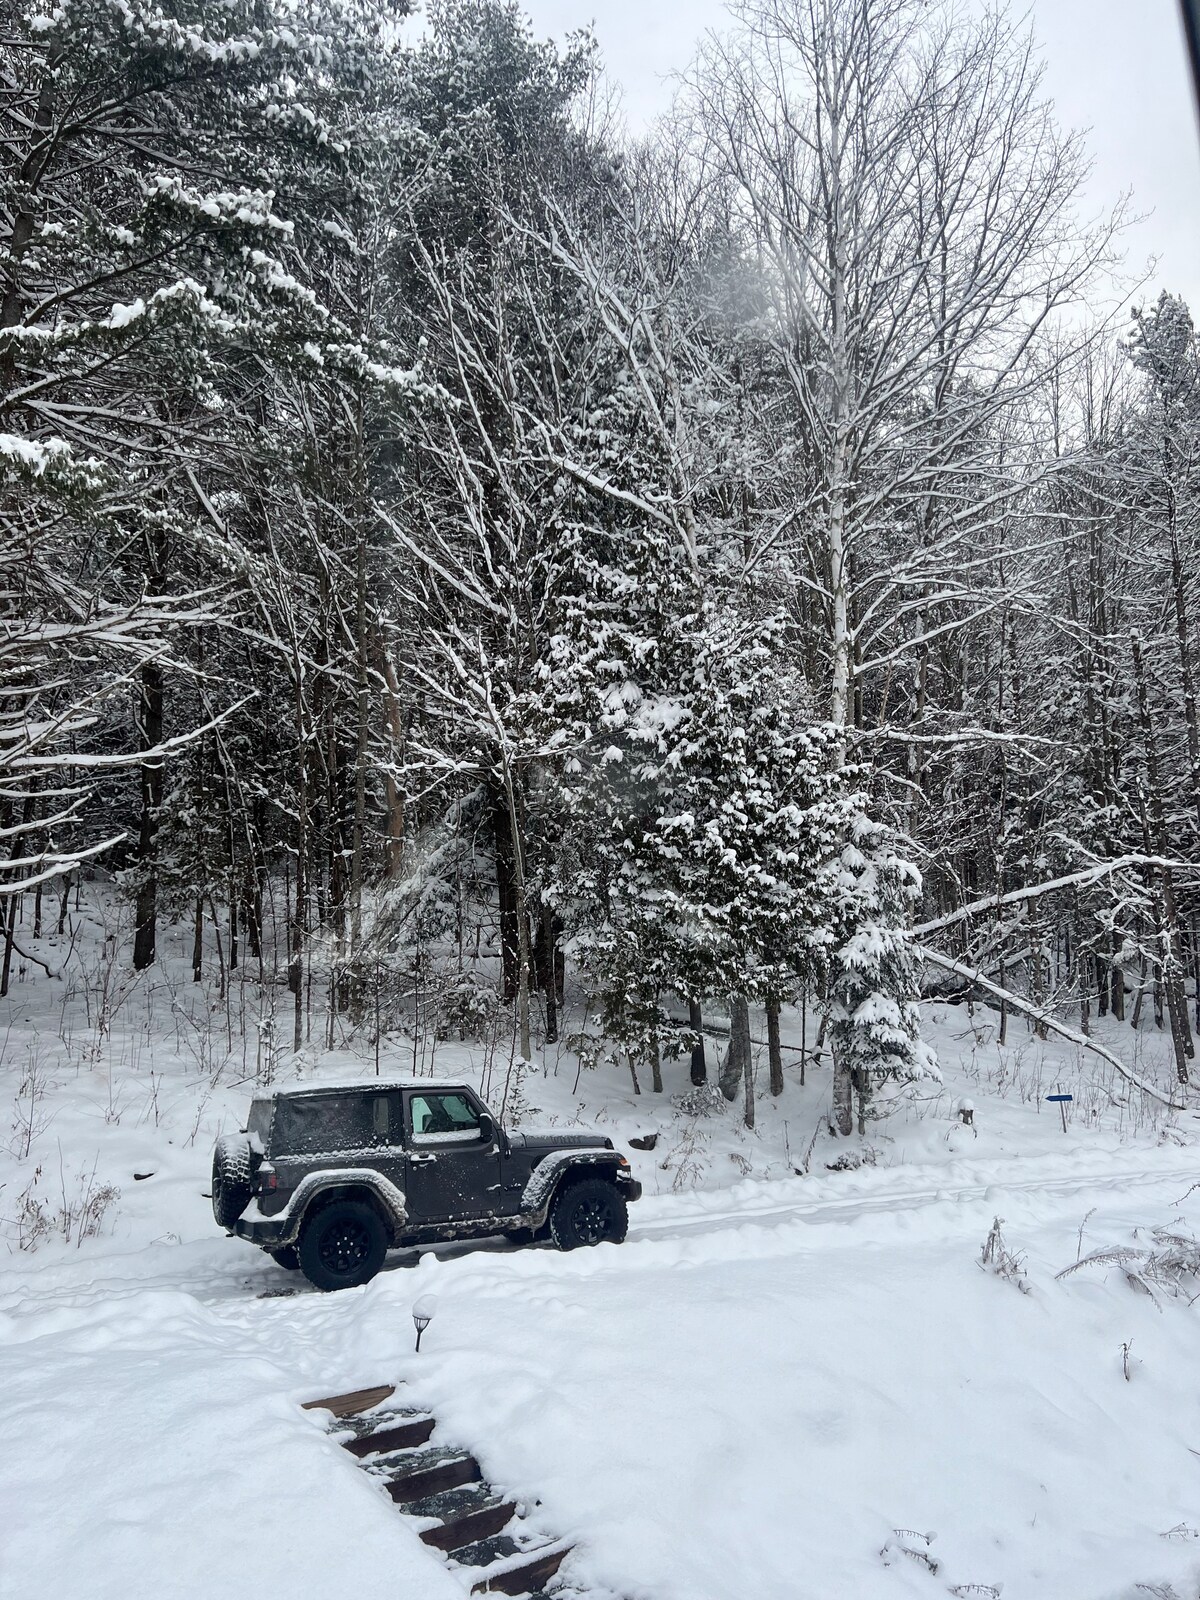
(371,1086)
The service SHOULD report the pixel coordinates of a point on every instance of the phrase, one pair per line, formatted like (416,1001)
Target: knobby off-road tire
(588,1211)
(342,1245)
(231,1176)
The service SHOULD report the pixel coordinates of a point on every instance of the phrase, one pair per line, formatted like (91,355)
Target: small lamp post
(422,1314)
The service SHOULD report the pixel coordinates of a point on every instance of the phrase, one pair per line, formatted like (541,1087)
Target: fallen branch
(1040,1014)
(1086,875)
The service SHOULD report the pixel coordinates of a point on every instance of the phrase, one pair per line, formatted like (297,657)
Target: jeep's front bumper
(629,1187)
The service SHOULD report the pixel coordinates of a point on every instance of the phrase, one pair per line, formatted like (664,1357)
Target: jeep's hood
(548,1139)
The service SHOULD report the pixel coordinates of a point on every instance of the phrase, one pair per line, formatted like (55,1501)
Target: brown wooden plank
(402,1436)
(471,1525)
(433,1480)
(524,1579)
(349,1405)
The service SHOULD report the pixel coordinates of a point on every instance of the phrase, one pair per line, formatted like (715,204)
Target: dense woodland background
(461,556)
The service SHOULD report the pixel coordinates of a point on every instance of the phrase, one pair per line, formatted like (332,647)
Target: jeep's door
(453,1162)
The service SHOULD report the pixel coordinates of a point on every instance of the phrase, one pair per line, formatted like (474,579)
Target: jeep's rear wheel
(231,1176)
(591,1211)
(343,1245)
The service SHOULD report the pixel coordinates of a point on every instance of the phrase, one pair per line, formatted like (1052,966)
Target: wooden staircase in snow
(481,1531)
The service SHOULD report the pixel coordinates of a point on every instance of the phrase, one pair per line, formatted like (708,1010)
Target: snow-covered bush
(1170,1262)
(82,1211)
(996,1257)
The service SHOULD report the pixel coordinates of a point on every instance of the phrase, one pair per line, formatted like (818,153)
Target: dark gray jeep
(329,1180)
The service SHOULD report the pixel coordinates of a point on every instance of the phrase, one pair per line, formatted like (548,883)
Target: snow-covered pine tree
(873,1013)
(708,812)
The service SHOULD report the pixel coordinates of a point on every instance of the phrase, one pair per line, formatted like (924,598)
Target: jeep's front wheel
(343,1245)
(590,1211)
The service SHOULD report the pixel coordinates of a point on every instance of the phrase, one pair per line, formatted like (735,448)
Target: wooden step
(416,1481)
(470,1526)
(349,1405)
(521,1576)
(396,1435)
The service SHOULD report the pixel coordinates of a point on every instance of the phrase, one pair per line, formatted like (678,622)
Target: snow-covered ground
(783,1365)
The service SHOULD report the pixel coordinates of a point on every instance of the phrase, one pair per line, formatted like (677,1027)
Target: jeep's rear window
(312,1124)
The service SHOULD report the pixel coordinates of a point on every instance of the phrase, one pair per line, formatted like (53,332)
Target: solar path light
(422,1314)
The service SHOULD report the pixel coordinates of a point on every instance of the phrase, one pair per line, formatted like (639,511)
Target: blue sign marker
(1061,1101)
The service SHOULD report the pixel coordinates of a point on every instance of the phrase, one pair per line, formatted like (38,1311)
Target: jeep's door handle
(421,1160)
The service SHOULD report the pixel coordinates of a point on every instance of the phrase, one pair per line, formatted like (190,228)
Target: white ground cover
(747,1399)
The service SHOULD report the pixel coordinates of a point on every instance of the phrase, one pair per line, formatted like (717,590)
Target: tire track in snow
(852,1207)
(84,1284)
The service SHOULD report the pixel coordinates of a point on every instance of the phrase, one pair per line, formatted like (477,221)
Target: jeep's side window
(313,1124)
(443,1118)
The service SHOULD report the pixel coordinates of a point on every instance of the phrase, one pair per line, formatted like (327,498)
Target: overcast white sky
(1116,67)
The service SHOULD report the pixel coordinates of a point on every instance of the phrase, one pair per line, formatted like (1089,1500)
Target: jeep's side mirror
(487,1128)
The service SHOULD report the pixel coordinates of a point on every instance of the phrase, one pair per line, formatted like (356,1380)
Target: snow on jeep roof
(369,1086)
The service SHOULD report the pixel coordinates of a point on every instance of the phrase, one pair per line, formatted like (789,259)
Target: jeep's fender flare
(390,1199)
(546,1178)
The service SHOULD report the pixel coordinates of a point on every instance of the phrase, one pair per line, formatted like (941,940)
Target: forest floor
(783,1365)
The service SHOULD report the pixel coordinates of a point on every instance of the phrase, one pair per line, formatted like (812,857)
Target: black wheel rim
(344,1246)
(591,1220)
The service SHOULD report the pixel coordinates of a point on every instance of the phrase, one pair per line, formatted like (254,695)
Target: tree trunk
(545,966)
(696,1023)
(1116,975)
(1170,962)
(394,797)
(843,1096)
(733,1069)
(10,933)
(198,941)
(740,1021)
(359,829)
(300,904)
(774,1053)
(150,732)
(1186,675)
(522,911)
(510,940)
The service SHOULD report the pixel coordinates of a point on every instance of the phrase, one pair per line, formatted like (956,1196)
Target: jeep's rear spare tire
(231,1176)
(589,1211)
(342,1245)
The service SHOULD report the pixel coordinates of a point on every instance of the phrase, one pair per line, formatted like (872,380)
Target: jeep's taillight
(266,1180)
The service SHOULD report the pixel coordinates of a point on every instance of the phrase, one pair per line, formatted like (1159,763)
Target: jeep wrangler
(328,1180)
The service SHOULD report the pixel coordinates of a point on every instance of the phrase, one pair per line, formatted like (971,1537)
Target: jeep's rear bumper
(263,1231)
